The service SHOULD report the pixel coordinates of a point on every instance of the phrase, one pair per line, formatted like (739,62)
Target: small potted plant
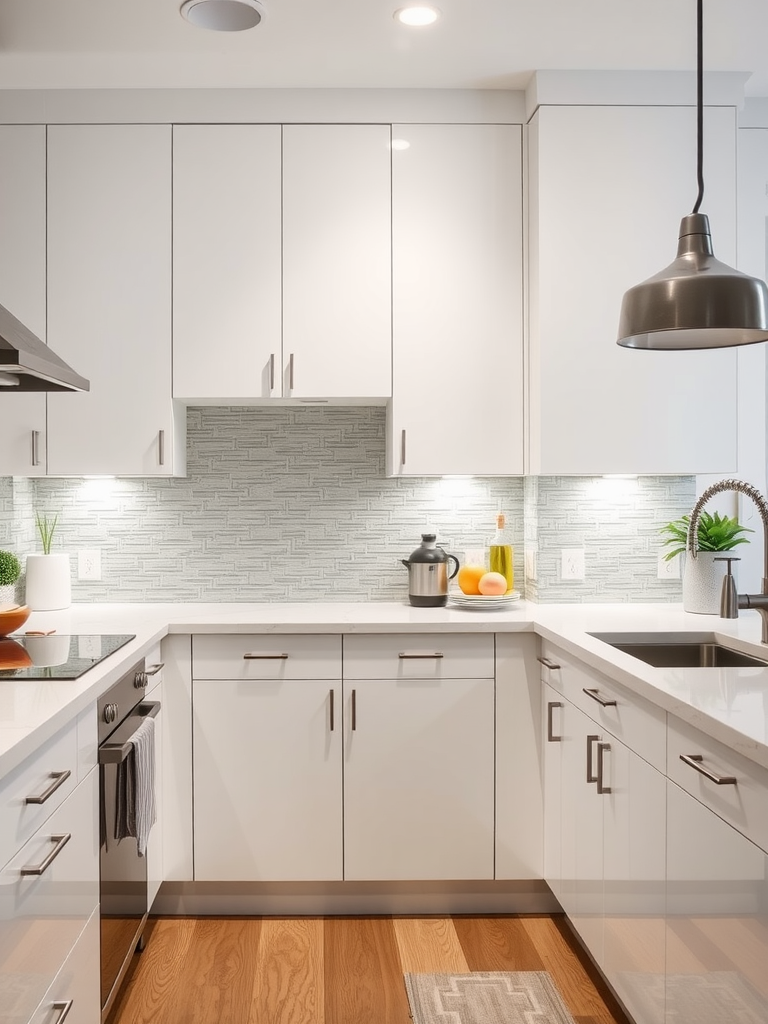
(49,584)
(10,570)
(702,575)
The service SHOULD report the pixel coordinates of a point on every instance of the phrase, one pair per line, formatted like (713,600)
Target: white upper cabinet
(226,261)
(457,399)
(609,186)
(337,262)
(282,262)
(22,291)
(109,300)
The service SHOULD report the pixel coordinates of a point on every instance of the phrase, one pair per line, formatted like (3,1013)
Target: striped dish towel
(135,810)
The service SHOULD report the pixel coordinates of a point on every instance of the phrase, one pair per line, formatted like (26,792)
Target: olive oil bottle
(501,552)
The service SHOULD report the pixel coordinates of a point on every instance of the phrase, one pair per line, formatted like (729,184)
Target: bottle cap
(500,520)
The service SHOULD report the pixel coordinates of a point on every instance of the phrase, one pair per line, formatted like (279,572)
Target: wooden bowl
(12,619)
(13,655)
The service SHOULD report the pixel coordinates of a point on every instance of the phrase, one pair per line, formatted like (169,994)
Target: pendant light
(696,302)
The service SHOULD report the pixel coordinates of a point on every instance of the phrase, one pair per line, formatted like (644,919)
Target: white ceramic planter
(703,582)
(49,582)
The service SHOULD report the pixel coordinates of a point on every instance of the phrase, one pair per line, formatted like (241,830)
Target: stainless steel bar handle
(547,663)
(272,372)
(551,705)
(37,869)
(161,447)
(35,447)
(694,761)
(402,448)
(257,656)
(591,775)
(59,778)
(601,749)
(354,710)
(420,654)
(290,371)
(154,669)
(117,751)
(602,701)
(63,1006)
(331,697)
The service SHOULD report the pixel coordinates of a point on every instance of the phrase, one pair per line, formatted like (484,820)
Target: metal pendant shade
(696,302)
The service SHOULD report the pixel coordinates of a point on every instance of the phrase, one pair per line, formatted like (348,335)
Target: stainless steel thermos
(428,573)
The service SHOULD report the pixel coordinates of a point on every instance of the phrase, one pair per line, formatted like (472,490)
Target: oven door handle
(114,753)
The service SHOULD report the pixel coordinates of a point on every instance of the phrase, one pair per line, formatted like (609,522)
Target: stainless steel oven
(123,870)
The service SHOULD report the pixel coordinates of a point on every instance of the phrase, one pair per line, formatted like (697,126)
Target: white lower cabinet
(388,776)
(74,994)
(267,758)
(155,843)
(604,831)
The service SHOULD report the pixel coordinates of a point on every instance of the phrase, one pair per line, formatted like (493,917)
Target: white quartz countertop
(729,704)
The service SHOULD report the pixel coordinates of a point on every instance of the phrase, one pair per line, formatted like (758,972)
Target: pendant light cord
(699,102)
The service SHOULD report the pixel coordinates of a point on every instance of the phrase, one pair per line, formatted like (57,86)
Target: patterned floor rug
(486,997)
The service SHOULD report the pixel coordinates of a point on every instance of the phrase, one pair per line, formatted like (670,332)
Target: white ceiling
(477,44)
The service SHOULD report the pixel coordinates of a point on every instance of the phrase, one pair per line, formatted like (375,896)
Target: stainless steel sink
(680,650)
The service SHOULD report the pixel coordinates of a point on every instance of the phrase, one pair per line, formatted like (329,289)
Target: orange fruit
(492,584)
(468,578)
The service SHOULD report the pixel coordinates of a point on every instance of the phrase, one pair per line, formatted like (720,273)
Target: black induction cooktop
(56,656)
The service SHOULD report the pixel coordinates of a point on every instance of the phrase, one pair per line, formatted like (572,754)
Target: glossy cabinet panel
(76,986)
(267,779)
(717,918)
(418,779)
(552,750)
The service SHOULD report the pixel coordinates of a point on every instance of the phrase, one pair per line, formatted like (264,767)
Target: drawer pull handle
(154,669)
(694,761)
(602,701)
(420,654)
(591,774)
(547,663)
(402,448)
(601,749)
(272,372)
(331,696)
(551,738)
(59,778)
(161,447)
(290,372)
(63,1007)
(260,657)
(38,869)
(354,710)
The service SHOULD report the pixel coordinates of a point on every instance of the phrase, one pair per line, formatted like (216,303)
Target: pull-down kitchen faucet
(759,602)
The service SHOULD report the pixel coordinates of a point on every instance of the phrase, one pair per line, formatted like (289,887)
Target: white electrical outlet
(668,570)
(572,563)
(530,565)
(89,564)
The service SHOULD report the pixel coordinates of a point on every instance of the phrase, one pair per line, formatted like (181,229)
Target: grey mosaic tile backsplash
(291,504)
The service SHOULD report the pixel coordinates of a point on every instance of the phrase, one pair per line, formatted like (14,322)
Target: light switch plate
(89,564)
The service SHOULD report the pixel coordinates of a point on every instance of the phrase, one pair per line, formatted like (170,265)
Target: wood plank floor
(338,970)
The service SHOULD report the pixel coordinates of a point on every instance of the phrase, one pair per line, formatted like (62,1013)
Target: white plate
(483,601)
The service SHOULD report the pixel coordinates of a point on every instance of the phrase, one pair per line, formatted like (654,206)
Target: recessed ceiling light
(417,15)
(400,144)
(223,15)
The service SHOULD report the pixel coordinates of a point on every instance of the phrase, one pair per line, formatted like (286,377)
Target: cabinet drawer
(77,983)
(743,803)
(43,779)
(266,656)
(42,915)
(419,656)
(639,724)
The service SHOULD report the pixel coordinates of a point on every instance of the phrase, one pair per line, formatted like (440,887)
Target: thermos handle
(453,558)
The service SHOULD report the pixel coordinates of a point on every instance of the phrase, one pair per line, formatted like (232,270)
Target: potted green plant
(703,575)
(49,584)
(10,570)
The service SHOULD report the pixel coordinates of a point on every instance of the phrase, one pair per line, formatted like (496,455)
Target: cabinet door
(22,273)
(418,779)
(76,986)
(609,186)
(267,780)
(337,296)
(109,298)
(717,917)
(457,392)
(581,887)
(634,871)
(155,868)
(226,261)
(552,745)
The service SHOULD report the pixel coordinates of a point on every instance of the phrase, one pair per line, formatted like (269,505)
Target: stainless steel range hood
(26,364)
